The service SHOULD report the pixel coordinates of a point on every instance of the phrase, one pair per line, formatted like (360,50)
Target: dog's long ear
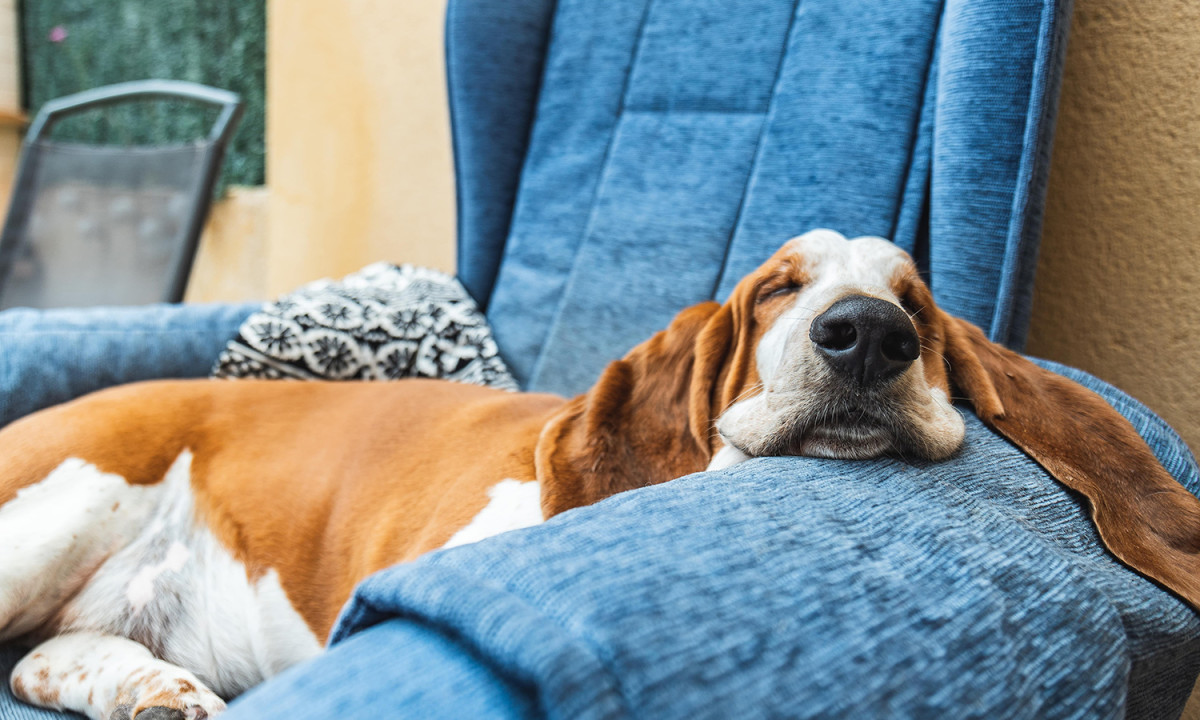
(724,362)
(1146,518)
(647,420)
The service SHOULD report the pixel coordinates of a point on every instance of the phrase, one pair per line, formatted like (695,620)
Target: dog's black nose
(866,339)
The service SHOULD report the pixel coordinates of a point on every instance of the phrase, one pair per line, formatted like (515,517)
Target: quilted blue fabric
(783,587)
(688,139)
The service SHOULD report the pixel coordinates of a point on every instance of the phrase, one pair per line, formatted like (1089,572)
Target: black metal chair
(108,224)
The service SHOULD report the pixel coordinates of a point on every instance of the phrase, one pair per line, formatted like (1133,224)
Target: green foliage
(221,43)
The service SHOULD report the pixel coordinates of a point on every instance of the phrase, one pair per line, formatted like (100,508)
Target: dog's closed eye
(778,289)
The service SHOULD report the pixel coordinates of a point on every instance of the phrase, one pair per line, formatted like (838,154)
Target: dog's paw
(159,712)
(192,712)
(122,712)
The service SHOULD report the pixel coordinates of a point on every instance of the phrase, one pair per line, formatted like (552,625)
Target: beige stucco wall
(231,264)
(359,166)
(358,136)
(1118,285)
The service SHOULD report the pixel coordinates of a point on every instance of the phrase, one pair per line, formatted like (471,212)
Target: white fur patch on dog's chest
(512,505)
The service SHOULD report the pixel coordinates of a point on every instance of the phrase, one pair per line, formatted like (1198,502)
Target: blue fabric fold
(494,57)
(401,669)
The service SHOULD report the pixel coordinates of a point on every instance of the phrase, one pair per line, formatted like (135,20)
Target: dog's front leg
(110,678)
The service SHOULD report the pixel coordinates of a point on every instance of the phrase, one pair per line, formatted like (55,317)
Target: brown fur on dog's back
(114,429)
(305,488)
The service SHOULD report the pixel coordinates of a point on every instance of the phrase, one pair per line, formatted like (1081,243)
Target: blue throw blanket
(783,587)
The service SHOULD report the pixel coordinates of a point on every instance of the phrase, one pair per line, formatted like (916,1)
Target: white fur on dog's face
(805,408)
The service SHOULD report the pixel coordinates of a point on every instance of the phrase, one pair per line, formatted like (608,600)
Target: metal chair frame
(60,108)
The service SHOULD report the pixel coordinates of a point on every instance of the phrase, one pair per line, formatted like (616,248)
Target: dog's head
(848,355)
(835,348)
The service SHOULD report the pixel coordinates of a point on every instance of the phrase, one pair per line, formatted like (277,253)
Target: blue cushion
(678,143)
(52,356)
(788,587)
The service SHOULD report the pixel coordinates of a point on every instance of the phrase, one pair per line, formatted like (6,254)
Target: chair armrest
(51,356)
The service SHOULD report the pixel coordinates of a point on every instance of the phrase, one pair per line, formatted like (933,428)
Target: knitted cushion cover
(384,322)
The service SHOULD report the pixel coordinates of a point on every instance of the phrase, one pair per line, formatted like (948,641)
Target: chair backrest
(620,160)
(92,224)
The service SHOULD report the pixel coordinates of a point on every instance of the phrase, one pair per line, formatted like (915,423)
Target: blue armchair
(617,161)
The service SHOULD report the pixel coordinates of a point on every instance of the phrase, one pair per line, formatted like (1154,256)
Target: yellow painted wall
(1118,284)
(359,158)
(231,264)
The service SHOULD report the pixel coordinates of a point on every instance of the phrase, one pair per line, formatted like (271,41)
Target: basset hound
(169,544)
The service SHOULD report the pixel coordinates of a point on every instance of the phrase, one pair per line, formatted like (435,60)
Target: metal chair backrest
(92,224)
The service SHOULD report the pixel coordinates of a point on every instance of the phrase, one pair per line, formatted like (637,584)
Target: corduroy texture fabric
(783,587)
(52,356)
(687,139)
(494,54)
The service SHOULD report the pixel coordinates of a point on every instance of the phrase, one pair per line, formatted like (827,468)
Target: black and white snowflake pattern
(384,322)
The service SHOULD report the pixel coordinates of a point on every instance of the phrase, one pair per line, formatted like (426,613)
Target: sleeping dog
(170,544)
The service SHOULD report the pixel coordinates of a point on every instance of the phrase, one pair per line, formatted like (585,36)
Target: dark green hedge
(221,43)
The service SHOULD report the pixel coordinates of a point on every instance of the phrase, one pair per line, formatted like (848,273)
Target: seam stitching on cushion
(763,129)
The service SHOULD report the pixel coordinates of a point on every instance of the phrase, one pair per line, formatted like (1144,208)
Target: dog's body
(172,543)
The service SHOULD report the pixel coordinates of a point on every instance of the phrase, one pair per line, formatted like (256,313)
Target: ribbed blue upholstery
(692,137)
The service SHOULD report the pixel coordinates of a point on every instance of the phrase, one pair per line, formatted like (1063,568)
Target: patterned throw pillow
(384,322)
